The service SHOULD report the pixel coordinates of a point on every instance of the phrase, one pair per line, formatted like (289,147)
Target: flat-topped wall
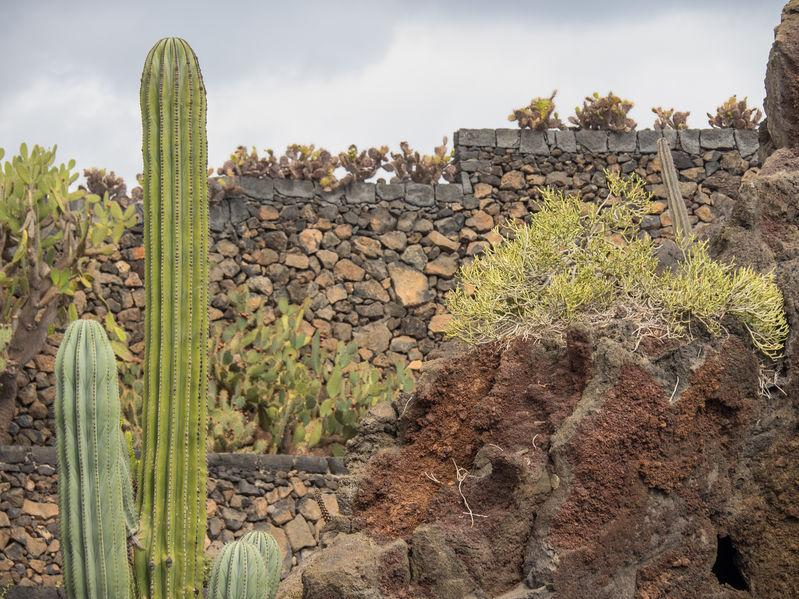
(377,259)
(275,493)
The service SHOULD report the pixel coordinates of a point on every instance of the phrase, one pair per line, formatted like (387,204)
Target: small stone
(374,337)
(481,221)
(513,180)
(310,240)
(704,214)
(482,190)
(299,261)
(133,280)
(394,240)
(443,266)
(439,323)
(268,213)
(45,511)
(442,241)
(299,534)
(227,248)
(410,285)
(349,271)
(261,284)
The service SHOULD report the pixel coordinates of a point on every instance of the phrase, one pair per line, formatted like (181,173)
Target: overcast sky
(335,72)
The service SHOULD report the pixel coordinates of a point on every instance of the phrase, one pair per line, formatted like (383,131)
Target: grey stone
(359,192)
(648,141)
(390,191)
(671,137)
(507,138)
(595,142)
(565,140)
(299,534)
(622,142)
(475,166)
(466,183)
(533,142)
(746,139)
(448,192)
(420,195)
(689,140)
(219,216)
(717,139)
(294,189)
(477,137)
(259,189)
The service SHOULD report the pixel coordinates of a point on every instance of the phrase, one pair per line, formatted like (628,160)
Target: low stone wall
(377,259)
(245,491)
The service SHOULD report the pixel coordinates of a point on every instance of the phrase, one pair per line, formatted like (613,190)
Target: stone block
(476,166)
(294,189)
(508,138)
(565,140)
(259,189)
(477,137)
(595,142)
(390,191)
(689,141)
(533,142)
(622,142)
(359,192)
(717,139)
(648,141)
(420,195)
(448,192)
(746,140)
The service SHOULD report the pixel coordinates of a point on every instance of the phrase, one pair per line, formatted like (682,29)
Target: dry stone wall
(376,259)
(275,493)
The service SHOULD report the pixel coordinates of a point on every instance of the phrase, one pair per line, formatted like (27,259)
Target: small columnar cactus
(239,572)
(270,553)
(94,491)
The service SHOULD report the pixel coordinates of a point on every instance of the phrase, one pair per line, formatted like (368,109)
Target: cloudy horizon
(365,73)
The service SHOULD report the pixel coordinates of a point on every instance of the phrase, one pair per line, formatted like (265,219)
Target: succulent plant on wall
(94,491)
(172,472)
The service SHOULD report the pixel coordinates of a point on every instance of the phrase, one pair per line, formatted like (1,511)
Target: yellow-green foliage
(587,263)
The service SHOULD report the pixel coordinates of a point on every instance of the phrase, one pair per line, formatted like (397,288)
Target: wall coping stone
(644,141)
(18,454)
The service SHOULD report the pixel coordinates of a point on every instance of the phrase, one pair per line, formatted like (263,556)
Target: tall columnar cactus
(239,572)
(94,490)
(172,471)
(270,553)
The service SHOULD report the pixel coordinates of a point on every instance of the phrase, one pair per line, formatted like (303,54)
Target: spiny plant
(308,163)
(249,164)
(301,394)
(735,114)
(539,115)
(100,182)
(95,496)
(239,572)
(270,552)
(668,118)
(409,165)
(172,471)
(362,165)
(588,263)
(604,112)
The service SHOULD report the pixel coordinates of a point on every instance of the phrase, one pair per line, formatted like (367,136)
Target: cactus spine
(172,471)
(270,553)
(94,491)
(239,572)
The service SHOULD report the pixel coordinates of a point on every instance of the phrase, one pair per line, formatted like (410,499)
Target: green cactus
(239,572)
(172,471)
(94,491)
(270,553)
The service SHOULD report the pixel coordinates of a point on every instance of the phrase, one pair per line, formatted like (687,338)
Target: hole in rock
(727,567)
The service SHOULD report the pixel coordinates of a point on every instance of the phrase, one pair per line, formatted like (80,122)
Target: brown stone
(512,180)
(443,266)
(442,241)
(133,280)
(410,285)
(782,80)
(439,323)
(227,248)
(367,246)
(704,213)
(268,213)
(481,221)
(310,240)
(299,261)
(347,270)
(482,190)
(374,337)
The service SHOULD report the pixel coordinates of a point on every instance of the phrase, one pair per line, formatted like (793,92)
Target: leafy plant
(735,114)
(577,262)
(363,165)
(301,395)
(604,112)
(51,237)
(668,118)
(539,115)
(409,165)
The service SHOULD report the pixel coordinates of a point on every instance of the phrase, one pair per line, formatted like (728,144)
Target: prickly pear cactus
(172,470)
(270,553)
(94,490)
(239,572)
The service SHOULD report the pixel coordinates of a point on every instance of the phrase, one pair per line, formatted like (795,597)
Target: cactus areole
(172,472)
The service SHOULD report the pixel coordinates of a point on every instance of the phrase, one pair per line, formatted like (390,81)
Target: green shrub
(539,115)
(279,376)
(735,114)
(604,112)
(588,263)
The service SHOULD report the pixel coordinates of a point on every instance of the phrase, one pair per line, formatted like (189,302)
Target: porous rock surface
(594,470)
(782,80)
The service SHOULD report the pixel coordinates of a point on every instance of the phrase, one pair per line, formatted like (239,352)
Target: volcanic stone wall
(275,493)
(376,259)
